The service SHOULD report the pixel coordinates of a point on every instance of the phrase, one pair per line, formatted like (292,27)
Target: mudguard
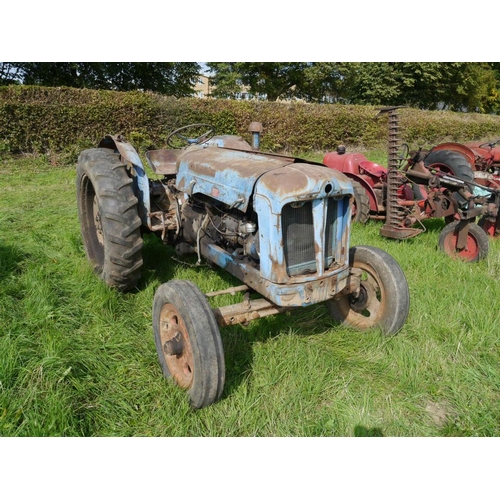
(358,168)
(458,148)
(140,181)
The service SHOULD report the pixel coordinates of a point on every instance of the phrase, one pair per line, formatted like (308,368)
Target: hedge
(39,120)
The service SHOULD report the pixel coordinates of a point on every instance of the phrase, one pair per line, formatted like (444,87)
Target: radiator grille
(331,219)
(298,235)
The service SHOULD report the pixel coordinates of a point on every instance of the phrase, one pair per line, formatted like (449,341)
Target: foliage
(37,119)
(226,81)
(326,82)
(78,359)
(476,88)
(9,73)
(277,80)
(272,80)
(458,86)
(171,78)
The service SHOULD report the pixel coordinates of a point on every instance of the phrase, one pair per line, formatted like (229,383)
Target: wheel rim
(366,306)
(92,223)
(469,253)
(176,346)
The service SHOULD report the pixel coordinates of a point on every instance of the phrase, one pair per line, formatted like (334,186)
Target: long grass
(78,359)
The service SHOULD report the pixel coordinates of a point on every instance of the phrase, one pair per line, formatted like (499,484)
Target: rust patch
(212,160)
(176,346)
(299,179)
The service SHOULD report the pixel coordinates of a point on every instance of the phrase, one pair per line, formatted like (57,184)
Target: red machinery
(484,160)
(437,184)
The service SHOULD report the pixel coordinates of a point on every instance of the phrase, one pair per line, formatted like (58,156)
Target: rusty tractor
(417,186)
(279,224)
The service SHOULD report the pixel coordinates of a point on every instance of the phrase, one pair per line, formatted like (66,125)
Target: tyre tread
(362,203)
(475,230)
(206,343)
(121,262)
(397,305)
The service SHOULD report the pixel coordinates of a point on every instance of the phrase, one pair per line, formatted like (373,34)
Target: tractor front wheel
(109,220)
(383,298)
(188,341)
(476,248)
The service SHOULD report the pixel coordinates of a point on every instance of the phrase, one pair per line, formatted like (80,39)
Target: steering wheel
(490,144)
(403,154)
(405,151)
(185,140)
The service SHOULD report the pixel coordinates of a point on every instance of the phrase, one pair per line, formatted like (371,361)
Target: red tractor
(419,186)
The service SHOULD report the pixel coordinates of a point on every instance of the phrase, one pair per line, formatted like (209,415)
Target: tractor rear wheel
(361,205)
(109,220)
(453,163)
(188,341)
(476,248)
(383,299)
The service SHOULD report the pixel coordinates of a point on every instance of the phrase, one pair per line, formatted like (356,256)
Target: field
(78,359)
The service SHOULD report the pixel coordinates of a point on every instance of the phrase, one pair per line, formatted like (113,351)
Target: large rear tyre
(383,300)
(476,248)
(188,341)
(109,220)
(361,205)
(453,163)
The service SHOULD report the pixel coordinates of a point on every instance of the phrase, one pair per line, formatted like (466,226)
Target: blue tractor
(279,224)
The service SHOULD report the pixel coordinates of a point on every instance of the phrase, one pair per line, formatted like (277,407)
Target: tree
(273,80)
(9,74)
(226,80)
(172,78)
(474,87)
(325,82)
(458,86)
(177,79)
(311,81)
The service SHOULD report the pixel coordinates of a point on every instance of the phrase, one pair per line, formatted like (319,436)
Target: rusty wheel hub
(367,301)
(176,346)
(468,253)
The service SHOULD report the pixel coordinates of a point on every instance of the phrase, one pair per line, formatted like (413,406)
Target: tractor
(280,225)
(420,185)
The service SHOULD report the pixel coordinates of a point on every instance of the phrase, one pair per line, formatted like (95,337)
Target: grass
(78,359)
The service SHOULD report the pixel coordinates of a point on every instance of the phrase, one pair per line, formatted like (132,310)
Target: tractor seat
(163,161)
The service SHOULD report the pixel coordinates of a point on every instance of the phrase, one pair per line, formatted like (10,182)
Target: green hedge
(40,120)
